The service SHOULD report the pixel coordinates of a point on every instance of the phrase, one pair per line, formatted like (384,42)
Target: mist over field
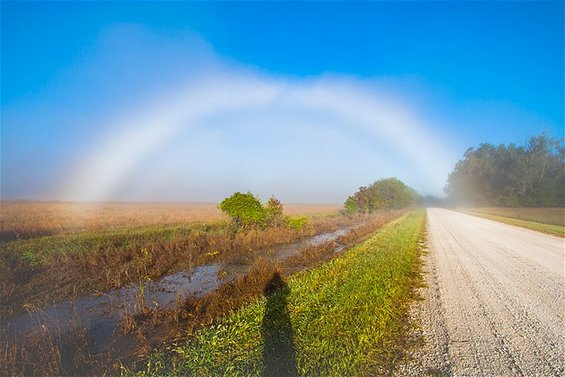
(218,126)
(143,113)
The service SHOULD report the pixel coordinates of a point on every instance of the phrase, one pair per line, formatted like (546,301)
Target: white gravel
(495,301)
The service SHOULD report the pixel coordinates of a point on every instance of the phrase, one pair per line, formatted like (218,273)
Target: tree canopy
(385,193)
(532,175)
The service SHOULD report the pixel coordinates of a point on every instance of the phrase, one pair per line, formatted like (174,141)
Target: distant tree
(245,210)
(507,176)
(432,201)
(386,193)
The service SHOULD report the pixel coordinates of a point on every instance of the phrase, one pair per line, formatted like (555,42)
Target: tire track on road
(499,308)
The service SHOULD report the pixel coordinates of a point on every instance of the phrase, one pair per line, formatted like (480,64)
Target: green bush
(297,222)
(245,210)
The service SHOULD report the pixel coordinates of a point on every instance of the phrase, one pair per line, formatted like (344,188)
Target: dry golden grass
(22,219)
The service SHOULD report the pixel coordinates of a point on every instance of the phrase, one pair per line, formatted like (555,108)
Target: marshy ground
(89,301)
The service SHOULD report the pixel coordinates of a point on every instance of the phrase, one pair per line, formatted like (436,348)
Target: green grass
(554,230)
(344,318)
(38,250)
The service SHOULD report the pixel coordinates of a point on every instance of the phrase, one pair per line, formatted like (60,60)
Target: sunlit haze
(190,102)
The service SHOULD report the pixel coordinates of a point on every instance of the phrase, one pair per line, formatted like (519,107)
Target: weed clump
(297,223)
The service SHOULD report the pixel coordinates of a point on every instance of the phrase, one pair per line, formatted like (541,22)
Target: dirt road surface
(494,304)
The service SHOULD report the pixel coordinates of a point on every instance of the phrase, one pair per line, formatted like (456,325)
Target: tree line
(532,175)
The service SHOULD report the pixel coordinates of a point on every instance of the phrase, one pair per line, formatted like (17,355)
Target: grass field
(545,220)
(22,219)
(343,318)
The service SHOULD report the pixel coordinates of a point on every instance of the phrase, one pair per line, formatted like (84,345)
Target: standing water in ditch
(100,316)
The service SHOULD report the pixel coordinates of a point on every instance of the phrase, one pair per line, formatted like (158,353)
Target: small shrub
(274,212)
(297,222)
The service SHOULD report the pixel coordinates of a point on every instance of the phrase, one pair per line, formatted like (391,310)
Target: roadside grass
(347,317)
(545,220)
(547,215)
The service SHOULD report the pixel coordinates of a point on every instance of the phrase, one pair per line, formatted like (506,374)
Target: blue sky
(305,101)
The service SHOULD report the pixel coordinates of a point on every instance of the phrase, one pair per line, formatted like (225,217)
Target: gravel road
(494,302)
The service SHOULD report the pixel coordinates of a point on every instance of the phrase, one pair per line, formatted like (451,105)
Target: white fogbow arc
(135,136)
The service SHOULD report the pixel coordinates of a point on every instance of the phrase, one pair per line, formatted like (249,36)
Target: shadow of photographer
(279,354)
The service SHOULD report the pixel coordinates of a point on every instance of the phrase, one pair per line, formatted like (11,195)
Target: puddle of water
(286,251)
(101,315)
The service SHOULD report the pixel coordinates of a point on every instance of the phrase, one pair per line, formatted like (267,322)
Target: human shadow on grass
(279,354)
